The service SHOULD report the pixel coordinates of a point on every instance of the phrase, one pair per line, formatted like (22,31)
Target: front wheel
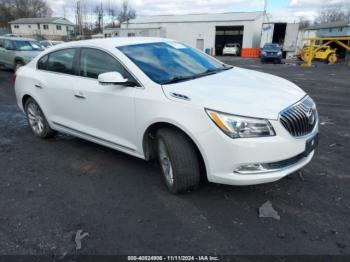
(178,160)
(332,59)
(37,120)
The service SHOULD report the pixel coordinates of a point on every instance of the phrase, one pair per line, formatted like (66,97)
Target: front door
(9,53)
(105,112)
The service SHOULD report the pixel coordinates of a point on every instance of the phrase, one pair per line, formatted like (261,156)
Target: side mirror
(112,78)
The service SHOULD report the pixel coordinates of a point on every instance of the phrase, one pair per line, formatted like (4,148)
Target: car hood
(238,91)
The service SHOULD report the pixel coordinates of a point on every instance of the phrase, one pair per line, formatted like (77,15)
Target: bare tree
(98,11)
(333,13)
(13,9)
(126,12)
(304,22)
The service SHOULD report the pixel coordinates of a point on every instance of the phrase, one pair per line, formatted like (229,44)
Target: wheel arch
(25,99)
(18,59)
(149,142)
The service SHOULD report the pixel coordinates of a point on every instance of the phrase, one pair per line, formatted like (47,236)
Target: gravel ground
(52,188)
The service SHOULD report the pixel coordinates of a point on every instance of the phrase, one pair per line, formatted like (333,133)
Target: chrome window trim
(92,47)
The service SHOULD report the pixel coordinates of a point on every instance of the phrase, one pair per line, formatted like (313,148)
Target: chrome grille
(301,118)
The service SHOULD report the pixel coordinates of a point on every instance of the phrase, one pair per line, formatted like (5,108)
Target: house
(207,32)
(335,29)
(50,28)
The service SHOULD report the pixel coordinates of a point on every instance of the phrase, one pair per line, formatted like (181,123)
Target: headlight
(241,127)
(263,53)
(279,53)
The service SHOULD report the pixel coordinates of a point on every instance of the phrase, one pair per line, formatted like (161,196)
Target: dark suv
(271,53)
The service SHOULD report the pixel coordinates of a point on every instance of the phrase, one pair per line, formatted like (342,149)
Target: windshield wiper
(178,79)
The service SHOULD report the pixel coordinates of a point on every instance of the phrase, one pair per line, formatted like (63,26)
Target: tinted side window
(8,44)
(2,43)
(62,61)
(42,63)
(94,62)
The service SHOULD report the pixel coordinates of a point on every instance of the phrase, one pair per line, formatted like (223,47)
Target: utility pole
(102,14)
(266,18)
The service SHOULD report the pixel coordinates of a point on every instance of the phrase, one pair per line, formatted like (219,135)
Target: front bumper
(282,155)
(271,57)
(229,52)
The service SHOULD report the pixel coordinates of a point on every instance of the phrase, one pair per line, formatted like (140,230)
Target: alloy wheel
(36,118)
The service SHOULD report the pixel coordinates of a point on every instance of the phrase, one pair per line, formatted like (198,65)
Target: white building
(51,28)
(204,31)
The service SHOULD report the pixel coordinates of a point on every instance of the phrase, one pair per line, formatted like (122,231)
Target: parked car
(155,98)
(16,52)
(271,53)
(231,49)
(11,35)
(49,43)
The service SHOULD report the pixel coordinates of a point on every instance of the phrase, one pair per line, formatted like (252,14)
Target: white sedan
(231,49)
(160,99)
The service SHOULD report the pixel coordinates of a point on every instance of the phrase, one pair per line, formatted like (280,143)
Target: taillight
(14,78)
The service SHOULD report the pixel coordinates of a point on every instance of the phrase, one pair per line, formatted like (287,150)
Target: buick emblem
(311,116)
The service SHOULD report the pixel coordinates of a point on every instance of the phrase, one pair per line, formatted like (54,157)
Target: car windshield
(273,47)
(171,62)
(231,45)
(45,44)
(22,45)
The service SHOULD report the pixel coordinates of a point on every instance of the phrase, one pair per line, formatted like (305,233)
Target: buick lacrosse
(160,99)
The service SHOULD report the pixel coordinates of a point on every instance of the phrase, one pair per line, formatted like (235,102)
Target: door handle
(80,95)
(38,86)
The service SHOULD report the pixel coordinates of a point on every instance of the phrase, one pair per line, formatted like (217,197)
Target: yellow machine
(319,52)
(322,51)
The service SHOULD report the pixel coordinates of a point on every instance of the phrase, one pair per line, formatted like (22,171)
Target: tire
(331,59)
(37,120)
(178,160)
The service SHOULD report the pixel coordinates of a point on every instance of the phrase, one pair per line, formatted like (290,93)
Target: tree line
(329,14)
(89,19)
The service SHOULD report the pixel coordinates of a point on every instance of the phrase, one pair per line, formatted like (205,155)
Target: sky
(279,10)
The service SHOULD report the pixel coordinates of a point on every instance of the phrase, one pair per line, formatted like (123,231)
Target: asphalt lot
(51,188)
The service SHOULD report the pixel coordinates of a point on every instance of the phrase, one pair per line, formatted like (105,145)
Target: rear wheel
(37,120)
(178,160)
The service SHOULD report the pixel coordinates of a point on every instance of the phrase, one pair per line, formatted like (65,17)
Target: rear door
(56,79)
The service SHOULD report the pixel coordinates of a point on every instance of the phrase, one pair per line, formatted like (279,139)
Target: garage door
(226,35)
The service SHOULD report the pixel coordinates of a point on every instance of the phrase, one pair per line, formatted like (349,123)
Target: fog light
(250,168)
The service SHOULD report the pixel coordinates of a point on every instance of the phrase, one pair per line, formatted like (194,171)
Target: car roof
(17,38)
(114,41)
(275,44)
